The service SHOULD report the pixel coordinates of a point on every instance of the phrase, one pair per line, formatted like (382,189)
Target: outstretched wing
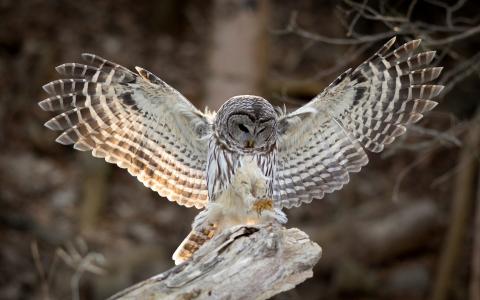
(363,109)
(136,121)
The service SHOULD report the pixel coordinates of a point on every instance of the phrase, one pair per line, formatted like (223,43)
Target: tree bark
(462,204)
(475,277)
(237,60)
(243,262)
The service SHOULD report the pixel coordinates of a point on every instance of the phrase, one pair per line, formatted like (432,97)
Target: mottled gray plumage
(140,123)
(229,139)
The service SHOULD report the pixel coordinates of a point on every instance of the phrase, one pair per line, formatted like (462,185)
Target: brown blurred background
(406,227)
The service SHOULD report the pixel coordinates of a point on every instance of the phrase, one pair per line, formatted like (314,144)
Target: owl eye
(243,128)
(261,130)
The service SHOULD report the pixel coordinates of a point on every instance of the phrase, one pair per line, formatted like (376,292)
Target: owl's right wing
(363,109)
(136,121)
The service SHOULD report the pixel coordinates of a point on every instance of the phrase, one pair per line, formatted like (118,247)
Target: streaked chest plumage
(222,164)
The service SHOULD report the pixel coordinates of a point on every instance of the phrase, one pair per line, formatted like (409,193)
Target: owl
(204,159)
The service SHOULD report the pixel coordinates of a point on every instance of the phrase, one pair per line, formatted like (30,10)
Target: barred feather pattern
(194,240)
(222,164)
(136,121)
(363,109)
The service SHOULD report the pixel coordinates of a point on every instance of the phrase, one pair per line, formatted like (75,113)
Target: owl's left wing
(363,109)
(136,121)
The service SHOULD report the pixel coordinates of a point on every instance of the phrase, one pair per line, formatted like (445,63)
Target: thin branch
(411,7)
(294,28)
(460,72)
(449,9)
(404,173)
(356,18)
(454,38)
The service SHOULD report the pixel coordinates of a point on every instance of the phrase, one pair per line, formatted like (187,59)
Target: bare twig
(449,9)
(396,25)
(460,72)
(404,173)
(411,7)
(76,256)
(44,276)
(342,63)
(356,18)
(81,261)
(294,28)
(454,38)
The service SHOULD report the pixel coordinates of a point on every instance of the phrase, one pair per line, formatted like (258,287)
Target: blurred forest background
(406,227)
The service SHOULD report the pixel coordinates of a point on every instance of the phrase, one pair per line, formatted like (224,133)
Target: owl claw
(262,204)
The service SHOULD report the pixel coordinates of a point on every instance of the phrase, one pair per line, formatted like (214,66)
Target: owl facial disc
(247,124)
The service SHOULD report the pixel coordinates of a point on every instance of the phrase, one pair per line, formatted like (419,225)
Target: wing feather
(136,121)
(363,109)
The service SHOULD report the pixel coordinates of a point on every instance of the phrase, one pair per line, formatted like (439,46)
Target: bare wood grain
(244,262)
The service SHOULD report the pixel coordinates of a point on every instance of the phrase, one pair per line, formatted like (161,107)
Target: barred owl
(142,124)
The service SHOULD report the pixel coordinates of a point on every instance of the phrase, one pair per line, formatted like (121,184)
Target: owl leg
(264,205)
(262,201)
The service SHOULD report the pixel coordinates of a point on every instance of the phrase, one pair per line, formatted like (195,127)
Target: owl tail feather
(194,240)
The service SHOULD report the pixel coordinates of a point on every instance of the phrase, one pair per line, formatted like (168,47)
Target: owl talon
(262,204)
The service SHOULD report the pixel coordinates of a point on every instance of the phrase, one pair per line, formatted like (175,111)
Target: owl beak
(250,144)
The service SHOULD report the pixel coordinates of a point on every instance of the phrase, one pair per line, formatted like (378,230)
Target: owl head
(247,123)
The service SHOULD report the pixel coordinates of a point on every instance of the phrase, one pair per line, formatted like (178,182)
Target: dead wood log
(244,262)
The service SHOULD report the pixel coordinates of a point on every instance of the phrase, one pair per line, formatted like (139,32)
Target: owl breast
(222,164)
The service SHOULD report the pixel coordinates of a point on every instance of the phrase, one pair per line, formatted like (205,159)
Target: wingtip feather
(48,88)
(44,105)
(437,90)
(391,41)
(416,42)
(64,139)
(88,57)
(436,71)
(430,56)
(60,69)
(53,124)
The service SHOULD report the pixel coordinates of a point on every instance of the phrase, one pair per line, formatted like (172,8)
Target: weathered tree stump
(244,262)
